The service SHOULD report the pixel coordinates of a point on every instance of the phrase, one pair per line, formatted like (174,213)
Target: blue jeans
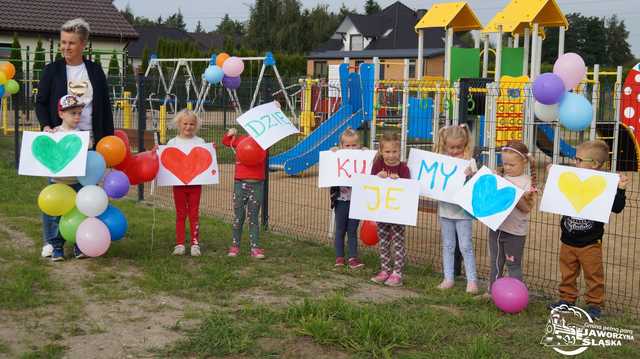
(50,233)
(348,226)
(463,228)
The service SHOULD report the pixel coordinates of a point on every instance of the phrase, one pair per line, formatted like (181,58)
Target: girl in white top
(187,198)
(506,245)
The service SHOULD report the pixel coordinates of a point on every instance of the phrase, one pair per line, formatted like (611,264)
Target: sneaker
(257,253)
(57,255)
(233,251)
(395,280)
(446,284)
(380,277)
(594,312)
(354,263)
(472,288)
(339,262)
(47,251)
(178,250)
(195,250)
(78,253)
(559,303)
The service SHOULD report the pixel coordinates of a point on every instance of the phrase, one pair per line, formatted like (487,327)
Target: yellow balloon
(3,78)
(57,199)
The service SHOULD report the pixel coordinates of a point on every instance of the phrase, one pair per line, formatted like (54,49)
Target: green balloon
(12,87)
(69,224)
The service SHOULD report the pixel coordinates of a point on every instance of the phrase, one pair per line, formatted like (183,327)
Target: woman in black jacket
(74,75)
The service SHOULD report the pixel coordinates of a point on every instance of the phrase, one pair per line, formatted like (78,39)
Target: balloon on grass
(510,295)
(115,221)
(92,237)
(369,233)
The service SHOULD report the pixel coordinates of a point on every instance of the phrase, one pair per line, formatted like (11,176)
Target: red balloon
(249,152)
(143,167)
(369,233)
(127,159)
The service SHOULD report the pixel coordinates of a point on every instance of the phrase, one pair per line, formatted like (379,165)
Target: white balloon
(92,201)
(544,112)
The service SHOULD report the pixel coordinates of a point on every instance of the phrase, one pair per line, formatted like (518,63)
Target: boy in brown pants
(582,239)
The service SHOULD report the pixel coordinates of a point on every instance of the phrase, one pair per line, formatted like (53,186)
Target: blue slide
(350,114)
(566,149)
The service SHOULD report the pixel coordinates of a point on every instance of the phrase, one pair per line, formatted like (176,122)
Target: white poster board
(267,124)
(440,176)
(384,199)
(187,165)
(337,168)
(60,154)
(579,192)
(489,197)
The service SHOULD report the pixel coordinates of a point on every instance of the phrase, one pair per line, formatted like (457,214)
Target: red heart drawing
(186,167)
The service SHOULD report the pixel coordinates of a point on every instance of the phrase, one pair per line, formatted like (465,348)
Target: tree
(231,31)
(176,21)
(96,59)
(114,66)
(38,60)
(618,49)
(371,7)
(135,20)
(199,28)
(16,57)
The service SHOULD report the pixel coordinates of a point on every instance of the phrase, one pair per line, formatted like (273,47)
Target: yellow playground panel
(510,109)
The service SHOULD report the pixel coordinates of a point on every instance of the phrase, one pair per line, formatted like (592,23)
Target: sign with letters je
(440,176)
(384,199)
(267,124)
(337,168)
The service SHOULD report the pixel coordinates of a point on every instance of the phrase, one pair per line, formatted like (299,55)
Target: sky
(209,12)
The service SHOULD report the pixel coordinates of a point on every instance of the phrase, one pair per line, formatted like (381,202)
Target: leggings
(187,201)
(247,197)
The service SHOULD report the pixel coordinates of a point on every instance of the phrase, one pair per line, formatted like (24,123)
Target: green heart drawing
(56,155)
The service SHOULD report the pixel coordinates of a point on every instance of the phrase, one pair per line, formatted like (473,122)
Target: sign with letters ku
(267,124)
(440,176)
(337,168)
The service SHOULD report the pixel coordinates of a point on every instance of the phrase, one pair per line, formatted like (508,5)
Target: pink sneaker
(380,277)
(339,262)
(234,251)
(354,263)
(257,253)
(395,280)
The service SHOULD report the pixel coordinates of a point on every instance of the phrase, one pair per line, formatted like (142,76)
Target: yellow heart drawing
(581,193)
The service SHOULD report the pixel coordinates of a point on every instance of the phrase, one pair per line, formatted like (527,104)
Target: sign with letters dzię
(267,124)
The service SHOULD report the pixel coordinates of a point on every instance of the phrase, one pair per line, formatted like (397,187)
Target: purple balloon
(232,83)
(510,295)
(116,184)
(548,89)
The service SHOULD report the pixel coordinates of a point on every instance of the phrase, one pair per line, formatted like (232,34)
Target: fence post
(265,194)
(16,129)
(224,110)
(142,124)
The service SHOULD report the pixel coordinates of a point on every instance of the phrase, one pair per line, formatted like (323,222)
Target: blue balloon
(115,221)
(575,112)
(95,169)
(212,61)
(213,74)
(1,90)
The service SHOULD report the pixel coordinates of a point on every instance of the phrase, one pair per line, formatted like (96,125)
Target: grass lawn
(139,301)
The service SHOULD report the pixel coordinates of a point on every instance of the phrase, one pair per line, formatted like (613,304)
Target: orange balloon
(221,58)
(8,69)
(113,149)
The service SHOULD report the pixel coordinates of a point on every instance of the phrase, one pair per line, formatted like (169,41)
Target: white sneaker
(47,251)
(195,250)
(178,250)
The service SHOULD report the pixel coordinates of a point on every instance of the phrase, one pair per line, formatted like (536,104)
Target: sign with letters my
(440,176)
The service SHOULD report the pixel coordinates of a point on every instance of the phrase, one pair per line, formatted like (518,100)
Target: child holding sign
(506,245)
(187,198)
(582,239)
(388,165)
(456,141)
(247,194)
(340,202)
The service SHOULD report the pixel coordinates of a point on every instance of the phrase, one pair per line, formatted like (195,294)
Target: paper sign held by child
(384,199)
(60,154)
(579,192)
(267,124)
(440,176)
(187,165)
(489,197)
(337,168)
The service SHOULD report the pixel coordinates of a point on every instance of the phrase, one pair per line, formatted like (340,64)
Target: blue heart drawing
(487,199)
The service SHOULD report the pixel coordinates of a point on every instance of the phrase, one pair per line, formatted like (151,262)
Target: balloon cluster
(8,86)
(87,218)
(554,102)
(224,69)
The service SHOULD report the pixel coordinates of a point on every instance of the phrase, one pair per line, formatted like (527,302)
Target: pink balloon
(233,67)
(510,295)
(571,69)
(92,237)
